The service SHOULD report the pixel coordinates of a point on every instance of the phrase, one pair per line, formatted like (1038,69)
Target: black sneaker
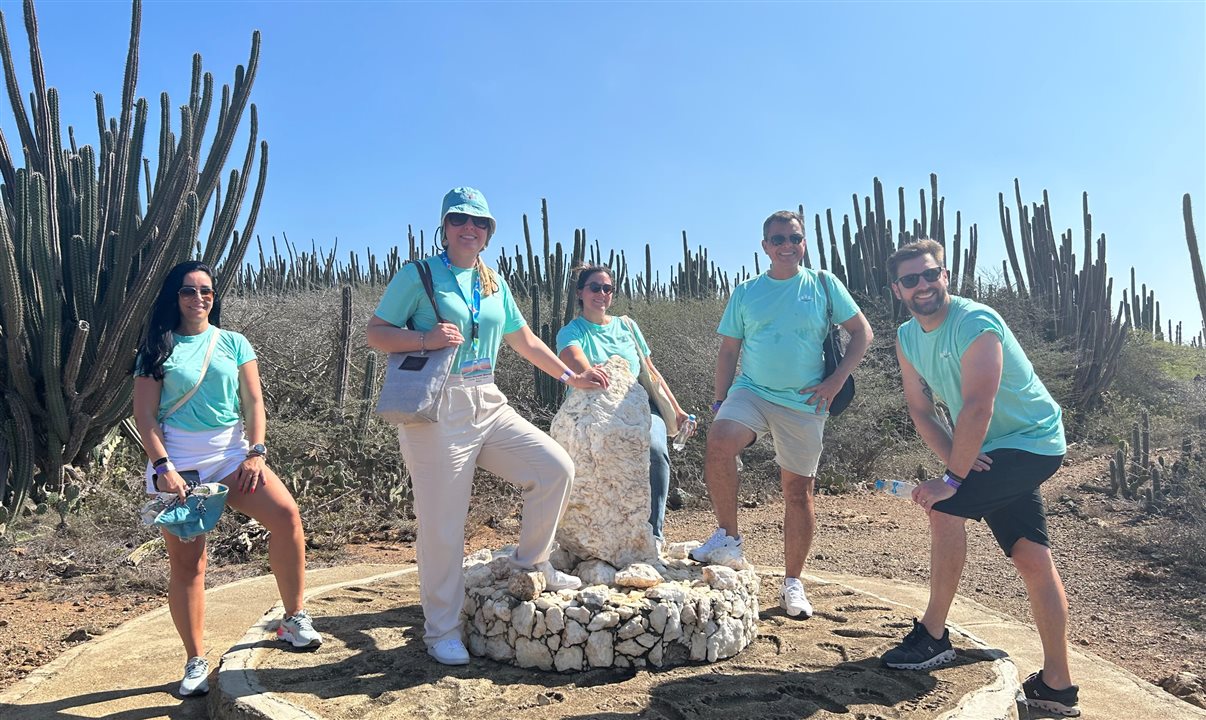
(1036,693)
(920,651)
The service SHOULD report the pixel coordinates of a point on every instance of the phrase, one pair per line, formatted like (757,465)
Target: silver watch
(258,449)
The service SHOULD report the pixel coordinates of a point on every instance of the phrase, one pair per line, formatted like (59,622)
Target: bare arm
(575,359)
(255,425)
(920,401)
(533,349)
(387,337)
(147,393)
(981,366)
(860,339)
(726,365)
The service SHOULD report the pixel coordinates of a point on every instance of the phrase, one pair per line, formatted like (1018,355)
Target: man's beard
(930,306)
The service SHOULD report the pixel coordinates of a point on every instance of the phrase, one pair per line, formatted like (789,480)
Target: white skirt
(214,454)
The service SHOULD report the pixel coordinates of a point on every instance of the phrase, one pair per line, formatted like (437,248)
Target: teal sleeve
(243,352)
(844,306)
(975,322)
(568,335)
(731,324)
(641,339)
(512,318)
(401,297)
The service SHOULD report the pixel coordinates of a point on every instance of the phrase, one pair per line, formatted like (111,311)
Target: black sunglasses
(778,240)
(600,288)
(910,281)
(189,291)
(459,219)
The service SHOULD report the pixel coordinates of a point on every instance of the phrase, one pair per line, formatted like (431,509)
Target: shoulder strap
(209,353)
(424,271)
(828,298)
(629,324)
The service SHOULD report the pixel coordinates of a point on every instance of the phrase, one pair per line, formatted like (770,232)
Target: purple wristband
(952,481)
(716,406)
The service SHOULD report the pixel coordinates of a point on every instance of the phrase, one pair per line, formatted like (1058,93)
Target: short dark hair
(782,216)
(915,249)
(584,271)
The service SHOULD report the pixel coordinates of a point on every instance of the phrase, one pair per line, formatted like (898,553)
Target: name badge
(477,372)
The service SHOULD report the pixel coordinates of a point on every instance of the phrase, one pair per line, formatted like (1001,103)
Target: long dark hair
(157,343)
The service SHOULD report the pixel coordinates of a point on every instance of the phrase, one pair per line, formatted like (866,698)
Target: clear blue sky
(640,120)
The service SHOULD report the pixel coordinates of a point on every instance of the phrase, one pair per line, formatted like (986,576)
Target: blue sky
(640,120)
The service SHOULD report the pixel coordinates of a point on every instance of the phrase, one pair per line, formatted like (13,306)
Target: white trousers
(477,428)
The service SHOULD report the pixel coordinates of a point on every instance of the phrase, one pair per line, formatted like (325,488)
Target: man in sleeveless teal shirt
(1008,438)
(776,324)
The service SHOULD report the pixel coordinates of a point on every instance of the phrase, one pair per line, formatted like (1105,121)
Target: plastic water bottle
(740,465)
(685,432)
(898,488)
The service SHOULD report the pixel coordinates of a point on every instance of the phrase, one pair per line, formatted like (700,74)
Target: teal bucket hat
(187,520)
(468,201)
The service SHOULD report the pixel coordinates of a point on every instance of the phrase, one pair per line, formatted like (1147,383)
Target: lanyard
(475,307)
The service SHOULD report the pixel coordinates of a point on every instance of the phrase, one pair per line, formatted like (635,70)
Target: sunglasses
(778,240)
(459,219)
(910,281)
(600,288)
(189,291)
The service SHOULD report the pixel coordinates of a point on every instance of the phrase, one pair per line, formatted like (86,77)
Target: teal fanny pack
(192,518)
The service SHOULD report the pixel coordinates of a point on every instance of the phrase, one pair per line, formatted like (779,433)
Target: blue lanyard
(475,307)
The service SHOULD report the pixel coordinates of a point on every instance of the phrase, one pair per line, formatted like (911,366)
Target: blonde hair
(489,278)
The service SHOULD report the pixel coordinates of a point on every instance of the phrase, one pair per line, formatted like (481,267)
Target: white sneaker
(555,580)
(450,651)
(720,540)
(298,630)
(792,598)
(196,677)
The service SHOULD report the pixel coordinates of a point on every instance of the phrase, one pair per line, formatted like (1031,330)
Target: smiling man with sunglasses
(776,324)
(1008,438)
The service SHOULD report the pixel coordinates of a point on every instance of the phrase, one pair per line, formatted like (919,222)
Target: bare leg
(726,439)
(273,506)
(799,520)
(186,591)
(948,551)
(1049,606)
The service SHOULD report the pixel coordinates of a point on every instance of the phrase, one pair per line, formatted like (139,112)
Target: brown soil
(1125,606)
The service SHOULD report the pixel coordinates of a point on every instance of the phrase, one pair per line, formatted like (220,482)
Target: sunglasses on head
(600,288)
(459,219)
(190,291)
(778,240)
(911,280)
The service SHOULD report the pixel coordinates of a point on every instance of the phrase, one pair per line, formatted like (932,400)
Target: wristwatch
(258,449)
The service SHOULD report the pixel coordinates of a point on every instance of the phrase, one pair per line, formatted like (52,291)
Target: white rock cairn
(636,609)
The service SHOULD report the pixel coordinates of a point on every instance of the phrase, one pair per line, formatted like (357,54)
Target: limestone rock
(568,658)
(595,596)
(526,585)
(532,653)
(680,550)
(606,432)
(562,559)
(554,619)
(638,575)
(671,592)
(729,557)
(575,633)
(600,651)
(595,572)
(720,577)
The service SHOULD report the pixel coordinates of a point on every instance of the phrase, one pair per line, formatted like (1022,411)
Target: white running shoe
(792,598)
(298,630)
(449,651)
(720,540)
(555,580)
(196,677)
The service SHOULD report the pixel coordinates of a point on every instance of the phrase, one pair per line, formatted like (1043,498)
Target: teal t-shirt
(215,405)
(600,342)
(1024,416)
(782,325)
(405,299)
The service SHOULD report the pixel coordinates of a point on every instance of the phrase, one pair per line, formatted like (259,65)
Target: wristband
(716,406)
(566,376)
(423,343)
(165,468)
(951,480)
(160,461)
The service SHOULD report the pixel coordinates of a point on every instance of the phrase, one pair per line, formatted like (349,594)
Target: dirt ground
(1125,605)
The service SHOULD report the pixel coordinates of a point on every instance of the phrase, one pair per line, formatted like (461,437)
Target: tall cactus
(82,255)
(1195,256)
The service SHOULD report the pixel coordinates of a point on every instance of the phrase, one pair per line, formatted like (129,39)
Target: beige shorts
(797,435)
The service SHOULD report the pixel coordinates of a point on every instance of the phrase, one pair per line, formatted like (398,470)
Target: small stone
(554,619)
(498,649)
(600,651)
(478,576)
(502,610)
(568,659)
(575,633)
(538,627)
(523,617)
(630,629)
(631,648)
(595,596)
(595,572)
(526,585)
(721,578)
(578,614)
(606,619)
(671,592)
(655,654)
(658,617)
(477,558)
(562,559)
(638,575)
(680,550)
(532,653)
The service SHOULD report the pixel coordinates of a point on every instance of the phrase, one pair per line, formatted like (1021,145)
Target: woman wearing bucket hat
(477,428)
(197,402)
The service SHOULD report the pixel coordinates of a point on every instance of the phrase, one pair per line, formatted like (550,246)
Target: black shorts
(1006,496)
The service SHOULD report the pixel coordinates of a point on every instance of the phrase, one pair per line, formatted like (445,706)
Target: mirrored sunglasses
(910,281)
(459,219)
(600,288)
(778,240)
(190,291)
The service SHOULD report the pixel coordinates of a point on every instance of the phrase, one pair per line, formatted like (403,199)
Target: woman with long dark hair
(218,432)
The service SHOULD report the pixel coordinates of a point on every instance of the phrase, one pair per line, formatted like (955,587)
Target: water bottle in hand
(897,488)
(684,432)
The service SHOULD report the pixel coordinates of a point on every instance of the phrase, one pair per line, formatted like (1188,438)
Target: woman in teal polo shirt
(185,353)
(477,428)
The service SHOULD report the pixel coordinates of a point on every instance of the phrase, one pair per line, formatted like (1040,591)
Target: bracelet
(566,376)
(160,461)
(423,343)
(165,468)
(951,480)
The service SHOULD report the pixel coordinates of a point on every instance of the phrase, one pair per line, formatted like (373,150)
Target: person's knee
(727,438)
(1031,558)
(190,568)
(944,525)
(798,490)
